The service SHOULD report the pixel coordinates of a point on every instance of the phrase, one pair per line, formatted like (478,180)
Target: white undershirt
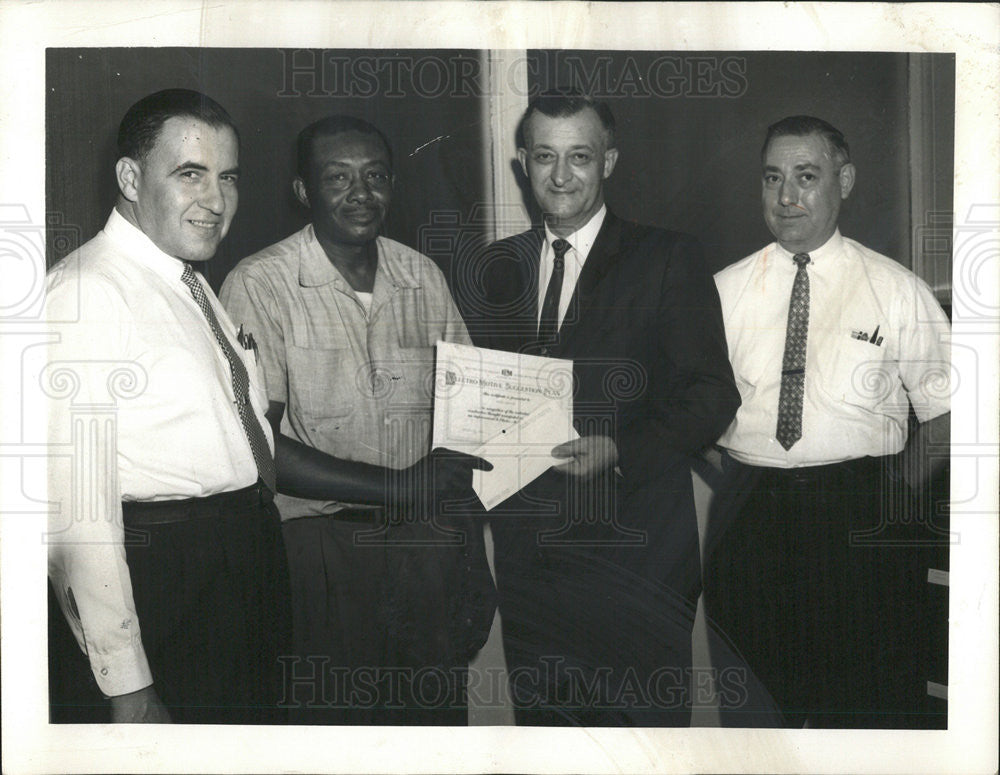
(366,300)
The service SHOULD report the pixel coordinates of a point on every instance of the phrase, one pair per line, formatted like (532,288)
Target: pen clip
(252,345)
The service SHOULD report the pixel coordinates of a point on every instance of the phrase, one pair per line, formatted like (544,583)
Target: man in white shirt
(832,346)
(165,548)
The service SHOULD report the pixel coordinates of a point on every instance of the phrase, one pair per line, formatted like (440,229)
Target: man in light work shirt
(346,323)
(165,551)
(831,345)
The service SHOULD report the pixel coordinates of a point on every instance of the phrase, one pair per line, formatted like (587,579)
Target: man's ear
(846,180)
(129,174)
(299,187)
(610,160)
(522,156)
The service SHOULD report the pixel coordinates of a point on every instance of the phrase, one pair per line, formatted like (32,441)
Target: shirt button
(104,671)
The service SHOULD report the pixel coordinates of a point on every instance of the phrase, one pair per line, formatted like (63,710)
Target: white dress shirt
(142,399)
(878,342)
(581,241)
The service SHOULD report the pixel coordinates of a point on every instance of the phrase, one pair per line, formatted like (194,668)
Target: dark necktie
(548,322)
(241,384)
(793,364)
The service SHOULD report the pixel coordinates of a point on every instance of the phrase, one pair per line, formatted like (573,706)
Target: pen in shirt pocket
(247,342)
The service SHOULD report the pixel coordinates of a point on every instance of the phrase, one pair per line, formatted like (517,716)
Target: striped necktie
(241,383)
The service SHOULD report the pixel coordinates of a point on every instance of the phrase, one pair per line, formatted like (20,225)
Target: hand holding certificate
(508,409)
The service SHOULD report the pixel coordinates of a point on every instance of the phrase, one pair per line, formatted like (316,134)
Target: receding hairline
(334,126)
(335,133)
(836,155)
(607,135)
(803,125)
(142,125)
(192,119)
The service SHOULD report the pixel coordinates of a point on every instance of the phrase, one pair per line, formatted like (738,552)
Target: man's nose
(212,198)
(788,194)
(359,191)
(561,172)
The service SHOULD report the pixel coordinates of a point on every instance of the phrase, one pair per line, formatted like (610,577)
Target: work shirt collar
(316,269)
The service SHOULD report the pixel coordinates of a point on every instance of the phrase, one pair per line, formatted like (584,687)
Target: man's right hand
(441,475)
(141,707)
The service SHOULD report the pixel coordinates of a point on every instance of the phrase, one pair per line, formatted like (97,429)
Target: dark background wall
(690,130)
(691,127)
(271,94)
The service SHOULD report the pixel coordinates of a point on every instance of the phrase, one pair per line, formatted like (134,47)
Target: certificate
(506,408)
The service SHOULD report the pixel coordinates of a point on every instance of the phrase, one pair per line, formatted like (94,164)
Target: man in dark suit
(597,561)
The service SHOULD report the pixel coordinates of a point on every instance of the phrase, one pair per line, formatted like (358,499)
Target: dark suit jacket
(645,332)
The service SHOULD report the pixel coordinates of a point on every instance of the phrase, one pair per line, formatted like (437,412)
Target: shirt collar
(581,240)
(823,254)
(140,248)
(316,269)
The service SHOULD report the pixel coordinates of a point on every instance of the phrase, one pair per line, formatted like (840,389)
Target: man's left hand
(587,457)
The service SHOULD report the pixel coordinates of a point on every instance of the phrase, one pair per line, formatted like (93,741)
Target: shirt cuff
(123,671)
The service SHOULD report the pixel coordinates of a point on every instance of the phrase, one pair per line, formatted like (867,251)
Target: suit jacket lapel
(529,273)
(519,288)
(603,255)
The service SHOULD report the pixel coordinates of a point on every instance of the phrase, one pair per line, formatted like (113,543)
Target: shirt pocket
(406,379)
(404,389)
(856,373)
(323,382)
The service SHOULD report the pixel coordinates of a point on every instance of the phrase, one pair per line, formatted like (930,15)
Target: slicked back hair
(562,103)
(803,126)
(140,128)
(331,126)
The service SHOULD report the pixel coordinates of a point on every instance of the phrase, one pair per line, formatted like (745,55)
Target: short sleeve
(250,302)
(925,352)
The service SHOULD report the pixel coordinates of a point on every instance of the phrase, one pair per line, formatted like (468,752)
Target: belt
(367,516)
(138,513)
(806,476)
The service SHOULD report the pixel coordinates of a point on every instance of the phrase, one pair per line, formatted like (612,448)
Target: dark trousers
(211,594)
(373,640)
(585,647)
(815,578)
(597,601)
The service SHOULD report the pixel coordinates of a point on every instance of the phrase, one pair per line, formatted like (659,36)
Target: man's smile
(209,225)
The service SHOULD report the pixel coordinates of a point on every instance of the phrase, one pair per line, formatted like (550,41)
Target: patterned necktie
(548,322)
(241,384)
(793,364)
